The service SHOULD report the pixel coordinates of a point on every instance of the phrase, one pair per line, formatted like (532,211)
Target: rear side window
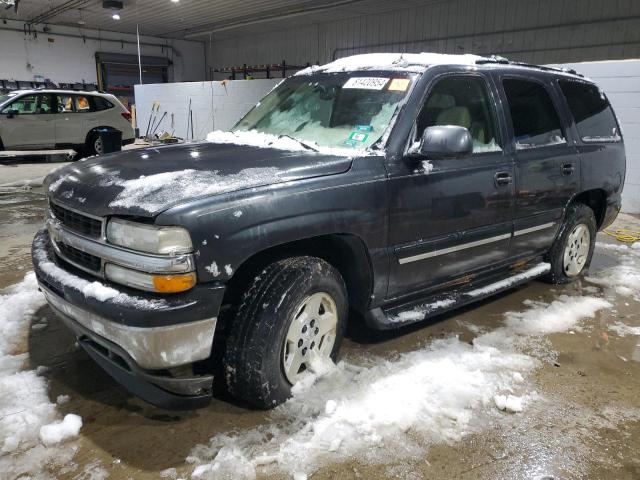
(102,103)
(591,111)
(535,120)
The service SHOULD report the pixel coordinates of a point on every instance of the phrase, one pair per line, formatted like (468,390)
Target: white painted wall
(621,82)
(68,59)
(215,106)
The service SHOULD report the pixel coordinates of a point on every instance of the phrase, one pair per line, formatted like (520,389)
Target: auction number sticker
(399,84)
(366,83)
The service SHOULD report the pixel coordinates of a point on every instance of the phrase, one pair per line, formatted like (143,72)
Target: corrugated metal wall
(538,31)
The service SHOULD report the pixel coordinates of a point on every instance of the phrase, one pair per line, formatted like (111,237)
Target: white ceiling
(196,19)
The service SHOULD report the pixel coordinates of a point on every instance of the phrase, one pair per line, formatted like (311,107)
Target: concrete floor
(569,433)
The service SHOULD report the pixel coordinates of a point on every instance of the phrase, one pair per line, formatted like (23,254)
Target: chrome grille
(77,222)
(80,258)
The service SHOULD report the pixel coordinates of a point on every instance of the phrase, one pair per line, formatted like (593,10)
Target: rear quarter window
(102,103)
(591,111)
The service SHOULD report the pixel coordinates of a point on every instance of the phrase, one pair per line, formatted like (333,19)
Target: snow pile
(254,138)
(24,404)
(154,192)
(409,62)
(622,329)
(385,410)
(96,290)
(55,433)
(623,278)
(558,316)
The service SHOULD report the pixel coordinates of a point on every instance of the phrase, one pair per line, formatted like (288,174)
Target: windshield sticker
(358,137)
(364,128)
(366,83)
(399,84)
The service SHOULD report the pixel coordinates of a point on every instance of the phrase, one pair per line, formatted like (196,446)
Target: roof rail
(504,61)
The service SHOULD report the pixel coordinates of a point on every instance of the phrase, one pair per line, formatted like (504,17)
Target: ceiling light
(175,1)
(115,16)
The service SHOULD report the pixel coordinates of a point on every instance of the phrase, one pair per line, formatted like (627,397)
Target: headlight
(149,238)
(148,281)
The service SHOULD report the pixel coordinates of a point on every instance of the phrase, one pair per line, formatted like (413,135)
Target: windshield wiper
(305,145)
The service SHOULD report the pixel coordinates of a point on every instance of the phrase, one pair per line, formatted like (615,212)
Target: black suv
(383,187)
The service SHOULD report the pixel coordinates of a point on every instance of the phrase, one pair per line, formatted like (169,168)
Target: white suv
(41,119)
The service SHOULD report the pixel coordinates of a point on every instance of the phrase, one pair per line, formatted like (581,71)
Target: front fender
(227,230)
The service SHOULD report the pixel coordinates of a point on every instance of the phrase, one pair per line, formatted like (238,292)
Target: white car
(45,119)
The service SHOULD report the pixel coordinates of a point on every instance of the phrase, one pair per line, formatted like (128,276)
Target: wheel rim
(312,334)
(576,251)
(97,146)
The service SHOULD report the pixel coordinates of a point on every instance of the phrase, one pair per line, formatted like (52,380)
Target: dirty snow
(624,277)
(623,330)
(24,403)
(153,192)
(421,311)
(364,410)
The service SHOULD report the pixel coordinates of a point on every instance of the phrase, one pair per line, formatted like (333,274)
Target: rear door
(75,119)
(546,161)
(451,217)
(28,122)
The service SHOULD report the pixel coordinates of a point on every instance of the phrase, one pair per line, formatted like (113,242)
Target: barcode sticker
(366,83)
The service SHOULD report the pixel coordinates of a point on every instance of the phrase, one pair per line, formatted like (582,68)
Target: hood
(147,181)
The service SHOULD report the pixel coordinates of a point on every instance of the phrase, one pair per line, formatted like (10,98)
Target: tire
(91,147)
(272,309)
(571,253)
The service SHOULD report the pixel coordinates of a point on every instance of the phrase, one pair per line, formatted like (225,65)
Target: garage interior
(185,68)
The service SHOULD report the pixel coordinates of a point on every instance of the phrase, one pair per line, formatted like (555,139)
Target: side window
(102,103)
(25,105)
(82,104)
(535,120)
(591,111)
(65,104)
(464,101)
(45,103)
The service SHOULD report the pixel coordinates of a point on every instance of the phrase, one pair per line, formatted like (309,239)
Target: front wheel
(291,320)
(572,251)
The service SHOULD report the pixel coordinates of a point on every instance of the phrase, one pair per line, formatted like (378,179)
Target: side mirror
(444,141)
(12,113)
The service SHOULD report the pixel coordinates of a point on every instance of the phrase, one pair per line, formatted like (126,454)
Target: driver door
(451,217)
(28,122)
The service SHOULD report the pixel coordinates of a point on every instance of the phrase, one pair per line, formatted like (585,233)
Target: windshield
(8,96)
(347,110)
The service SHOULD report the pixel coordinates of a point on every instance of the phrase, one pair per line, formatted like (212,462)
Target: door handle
(502,178)
(567,169)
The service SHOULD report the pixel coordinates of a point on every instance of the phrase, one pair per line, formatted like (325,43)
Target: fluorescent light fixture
(115,16)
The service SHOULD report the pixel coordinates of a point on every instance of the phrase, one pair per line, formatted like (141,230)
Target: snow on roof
(412,62)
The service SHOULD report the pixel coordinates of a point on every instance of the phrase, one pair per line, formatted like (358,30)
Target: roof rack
(505,61)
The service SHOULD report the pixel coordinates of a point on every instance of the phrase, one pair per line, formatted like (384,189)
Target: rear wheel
(571,253)
(291,320)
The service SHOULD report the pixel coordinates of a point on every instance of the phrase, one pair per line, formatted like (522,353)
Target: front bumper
(137,340)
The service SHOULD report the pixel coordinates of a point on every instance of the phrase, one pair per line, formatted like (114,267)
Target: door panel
(451,218)
(546,163)
(33,125)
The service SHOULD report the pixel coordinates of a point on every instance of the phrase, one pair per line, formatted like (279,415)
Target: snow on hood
(410,62)
(147,181)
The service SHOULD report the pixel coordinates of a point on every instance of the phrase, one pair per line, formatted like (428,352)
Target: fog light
(150,282)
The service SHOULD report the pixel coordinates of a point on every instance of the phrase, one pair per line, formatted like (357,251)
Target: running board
(419,310)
